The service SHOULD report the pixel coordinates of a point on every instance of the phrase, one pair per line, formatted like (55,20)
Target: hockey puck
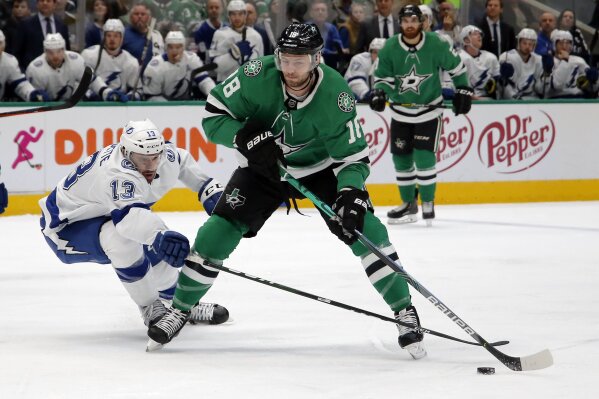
(485,370)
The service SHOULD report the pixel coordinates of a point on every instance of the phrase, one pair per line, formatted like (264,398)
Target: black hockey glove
(378,100)
(3,197)
(548,62)
(350,206)
(258,146)
(462,100)
(491,86)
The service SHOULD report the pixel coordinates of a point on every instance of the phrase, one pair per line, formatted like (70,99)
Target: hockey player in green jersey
(408,72)
(289,107)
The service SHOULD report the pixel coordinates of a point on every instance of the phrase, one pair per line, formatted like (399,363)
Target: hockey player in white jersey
(11,76)
(169,76)
(59,72)
(236,44)
(361,67)
(571,76)
(521,69)
(101,213)
(118,69)
(483,67)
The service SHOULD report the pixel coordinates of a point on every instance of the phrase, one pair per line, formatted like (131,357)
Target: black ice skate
(428,212)
(405,213)
(167,328)
(208,313)
(152,313)
(410,339)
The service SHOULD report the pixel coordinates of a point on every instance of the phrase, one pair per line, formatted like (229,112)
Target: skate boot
(153,312)
(405,213)
(167,328)
(209,313)
(428,212)
(409,338)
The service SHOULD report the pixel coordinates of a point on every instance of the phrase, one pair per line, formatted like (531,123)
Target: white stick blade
(538,361)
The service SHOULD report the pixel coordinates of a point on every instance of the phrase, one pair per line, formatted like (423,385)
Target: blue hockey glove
(548,62)
(115,95)
(506,70)
(462,100)
(350,206)
(209,194)
(3,198)
(592,74)
(171,247)
(39,95)
(447,93)
(378,100)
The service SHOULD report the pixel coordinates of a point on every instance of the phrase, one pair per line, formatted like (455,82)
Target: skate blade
(153,345)
(416,350)
(403,220)
(429,222)
(207,323)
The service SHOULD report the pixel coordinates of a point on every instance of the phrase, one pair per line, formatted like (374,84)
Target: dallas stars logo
(234,199)
(412,81)
(252,68)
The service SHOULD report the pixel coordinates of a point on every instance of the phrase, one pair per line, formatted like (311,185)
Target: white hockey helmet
(558,35)
(175,37)
(141,137)
(114,25)
(426,11)
(235,5)
(54,41)
(526,33)
(377,43)
(467,31)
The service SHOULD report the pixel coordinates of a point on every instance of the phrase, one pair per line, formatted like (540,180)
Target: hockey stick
(537,361)
(412,105)
(196,260)
(78,94)
(143,56)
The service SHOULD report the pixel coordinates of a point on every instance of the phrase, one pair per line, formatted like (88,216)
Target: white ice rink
(528,273)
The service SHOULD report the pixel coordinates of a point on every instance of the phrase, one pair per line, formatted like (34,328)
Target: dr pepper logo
(456,139)
(377,134)
(516,142)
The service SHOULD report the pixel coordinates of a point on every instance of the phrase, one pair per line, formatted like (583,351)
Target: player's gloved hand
(462,100)
(241,51)
(115,95)
(3,198)
(258,146)
(491,86)
(506,70)
(547,61)
(171,247)
(39,95)
(365,98)
(209,194)
(378,100)
(350,206)
(592,74)
(447,93)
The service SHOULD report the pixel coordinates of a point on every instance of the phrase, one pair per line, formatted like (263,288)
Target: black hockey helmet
(410,10)
(300,39)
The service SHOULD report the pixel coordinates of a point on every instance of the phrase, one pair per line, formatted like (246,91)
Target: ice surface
(528,273)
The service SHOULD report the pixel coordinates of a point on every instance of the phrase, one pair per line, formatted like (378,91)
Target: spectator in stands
(136,35)
(547,24)
(203,36)
(567,21)
(350,29)
(381,25)
(19,11)
(518,14)
(251,19)
(498,36)
(333,47)
(571,76)
(30,41)
(448,21)
(102,11)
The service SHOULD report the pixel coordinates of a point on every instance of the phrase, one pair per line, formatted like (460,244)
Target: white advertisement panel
(494,142)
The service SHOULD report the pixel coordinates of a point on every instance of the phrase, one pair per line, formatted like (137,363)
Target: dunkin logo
(377,134)
(456,139)
(517,142)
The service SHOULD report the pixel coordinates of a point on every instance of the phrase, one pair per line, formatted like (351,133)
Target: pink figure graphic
(23,138)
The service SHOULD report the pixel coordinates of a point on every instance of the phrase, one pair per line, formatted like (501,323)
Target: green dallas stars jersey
(412,75)
(322,130)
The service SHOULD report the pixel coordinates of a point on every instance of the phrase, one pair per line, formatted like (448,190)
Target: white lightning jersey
(117,72)
(222,41)
(527,82)
(165,80)
(480,69)
(107,184)
(10,74)
(60,83)
(359,74)
(564,75)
